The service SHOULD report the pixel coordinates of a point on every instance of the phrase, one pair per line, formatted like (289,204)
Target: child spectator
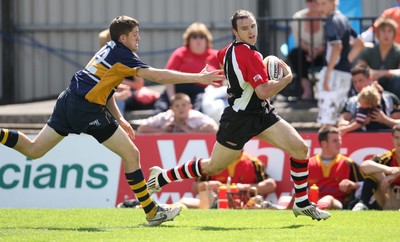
(386,116)
(369,100)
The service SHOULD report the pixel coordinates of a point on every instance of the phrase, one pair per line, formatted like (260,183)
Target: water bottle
(313,194)
(222,198)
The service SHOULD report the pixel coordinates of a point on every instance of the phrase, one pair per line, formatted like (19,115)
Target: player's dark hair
(360,69)
(240,14)
(325,131)
(122,25)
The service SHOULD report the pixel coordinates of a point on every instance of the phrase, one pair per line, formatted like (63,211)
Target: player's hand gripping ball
(274,70)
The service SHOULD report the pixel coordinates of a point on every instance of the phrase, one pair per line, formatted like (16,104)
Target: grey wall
(58,37)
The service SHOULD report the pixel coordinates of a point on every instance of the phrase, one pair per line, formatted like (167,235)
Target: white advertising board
(77,173)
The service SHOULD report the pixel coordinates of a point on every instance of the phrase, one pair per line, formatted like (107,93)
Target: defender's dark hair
(122,25)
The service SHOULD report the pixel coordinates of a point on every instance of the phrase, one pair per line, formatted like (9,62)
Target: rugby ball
(274,70)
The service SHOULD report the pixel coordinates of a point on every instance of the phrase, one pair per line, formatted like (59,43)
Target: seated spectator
(309,50)
(383,178)
(393,13)
(248,173)
(384,57)
(192,57)
(336,175)
(369,100)
(131,94)
(384,118)
(180,118)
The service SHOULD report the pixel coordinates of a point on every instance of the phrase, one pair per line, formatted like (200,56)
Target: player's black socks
(368,189)
(8,137)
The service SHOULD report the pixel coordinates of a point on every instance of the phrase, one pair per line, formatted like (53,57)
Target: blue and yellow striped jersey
(105,71)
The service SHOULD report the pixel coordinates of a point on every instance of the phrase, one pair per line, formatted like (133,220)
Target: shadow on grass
(89,229)
(294,226)
(210,228)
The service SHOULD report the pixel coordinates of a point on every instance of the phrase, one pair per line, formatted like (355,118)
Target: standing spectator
(180,118)
(195,53)
(246,172)
(310,47)
(335,79)
(388,113)
(248,115)
(88,106)
(336,175)
(383,178)
(384,57)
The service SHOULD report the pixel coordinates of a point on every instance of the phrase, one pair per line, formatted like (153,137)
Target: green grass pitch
(126,224)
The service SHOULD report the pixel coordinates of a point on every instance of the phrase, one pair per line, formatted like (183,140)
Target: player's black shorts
(74,114)
(236,128)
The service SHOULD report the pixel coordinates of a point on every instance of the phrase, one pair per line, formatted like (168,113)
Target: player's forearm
(272,87)
(113,109)
(370,167)
(266,187)
(164,76)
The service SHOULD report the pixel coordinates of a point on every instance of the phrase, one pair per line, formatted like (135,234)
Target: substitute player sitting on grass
(383,178)
(336,175)
(88,106)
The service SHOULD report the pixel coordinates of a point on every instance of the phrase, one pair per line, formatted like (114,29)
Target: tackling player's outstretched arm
(165,76)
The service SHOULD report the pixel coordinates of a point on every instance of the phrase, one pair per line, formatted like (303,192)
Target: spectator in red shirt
(195,53)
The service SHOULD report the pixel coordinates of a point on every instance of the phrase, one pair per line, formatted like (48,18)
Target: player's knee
(212,170)
(131,157)
(300,152)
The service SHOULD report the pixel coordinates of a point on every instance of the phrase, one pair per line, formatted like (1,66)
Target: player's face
(333,144)
(132,39)
(246,31)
